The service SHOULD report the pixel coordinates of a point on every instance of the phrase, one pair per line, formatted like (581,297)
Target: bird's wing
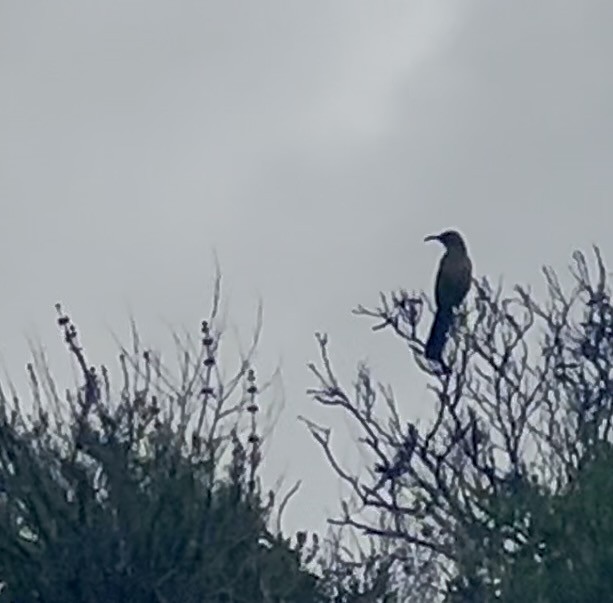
(453,280)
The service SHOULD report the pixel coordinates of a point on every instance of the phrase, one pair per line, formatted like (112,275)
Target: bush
(151,494)
(504,495)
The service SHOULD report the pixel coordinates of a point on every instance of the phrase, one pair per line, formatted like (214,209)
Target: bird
(452,284)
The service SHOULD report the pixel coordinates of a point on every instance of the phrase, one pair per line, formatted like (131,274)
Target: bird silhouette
(452,284)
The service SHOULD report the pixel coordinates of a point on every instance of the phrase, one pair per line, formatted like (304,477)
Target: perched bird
(452,285)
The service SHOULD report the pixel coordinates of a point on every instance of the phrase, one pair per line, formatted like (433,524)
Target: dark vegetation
(151,491)
(505,493)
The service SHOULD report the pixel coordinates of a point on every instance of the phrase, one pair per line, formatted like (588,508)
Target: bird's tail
(438,334)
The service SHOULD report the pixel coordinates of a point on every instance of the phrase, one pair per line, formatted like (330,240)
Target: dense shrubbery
(152,493)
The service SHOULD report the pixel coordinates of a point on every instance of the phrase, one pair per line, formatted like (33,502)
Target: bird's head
(451,239)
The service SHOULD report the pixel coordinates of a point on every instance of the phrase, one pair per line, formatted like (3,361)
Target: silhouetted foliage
(146,494)
(506,489)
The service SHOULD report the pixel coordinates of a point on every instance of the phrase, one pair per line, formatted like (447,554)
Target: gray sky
(312,145)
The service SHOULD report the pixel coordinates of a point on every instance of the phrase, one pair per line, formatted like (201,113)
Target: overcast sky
(311,145)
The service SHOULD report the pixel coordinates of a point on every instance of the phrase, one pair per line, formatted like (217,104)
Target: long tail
(438,334)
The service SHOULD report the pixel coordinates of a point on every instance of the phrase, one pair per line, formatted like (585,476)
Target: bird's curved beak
(432,238)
